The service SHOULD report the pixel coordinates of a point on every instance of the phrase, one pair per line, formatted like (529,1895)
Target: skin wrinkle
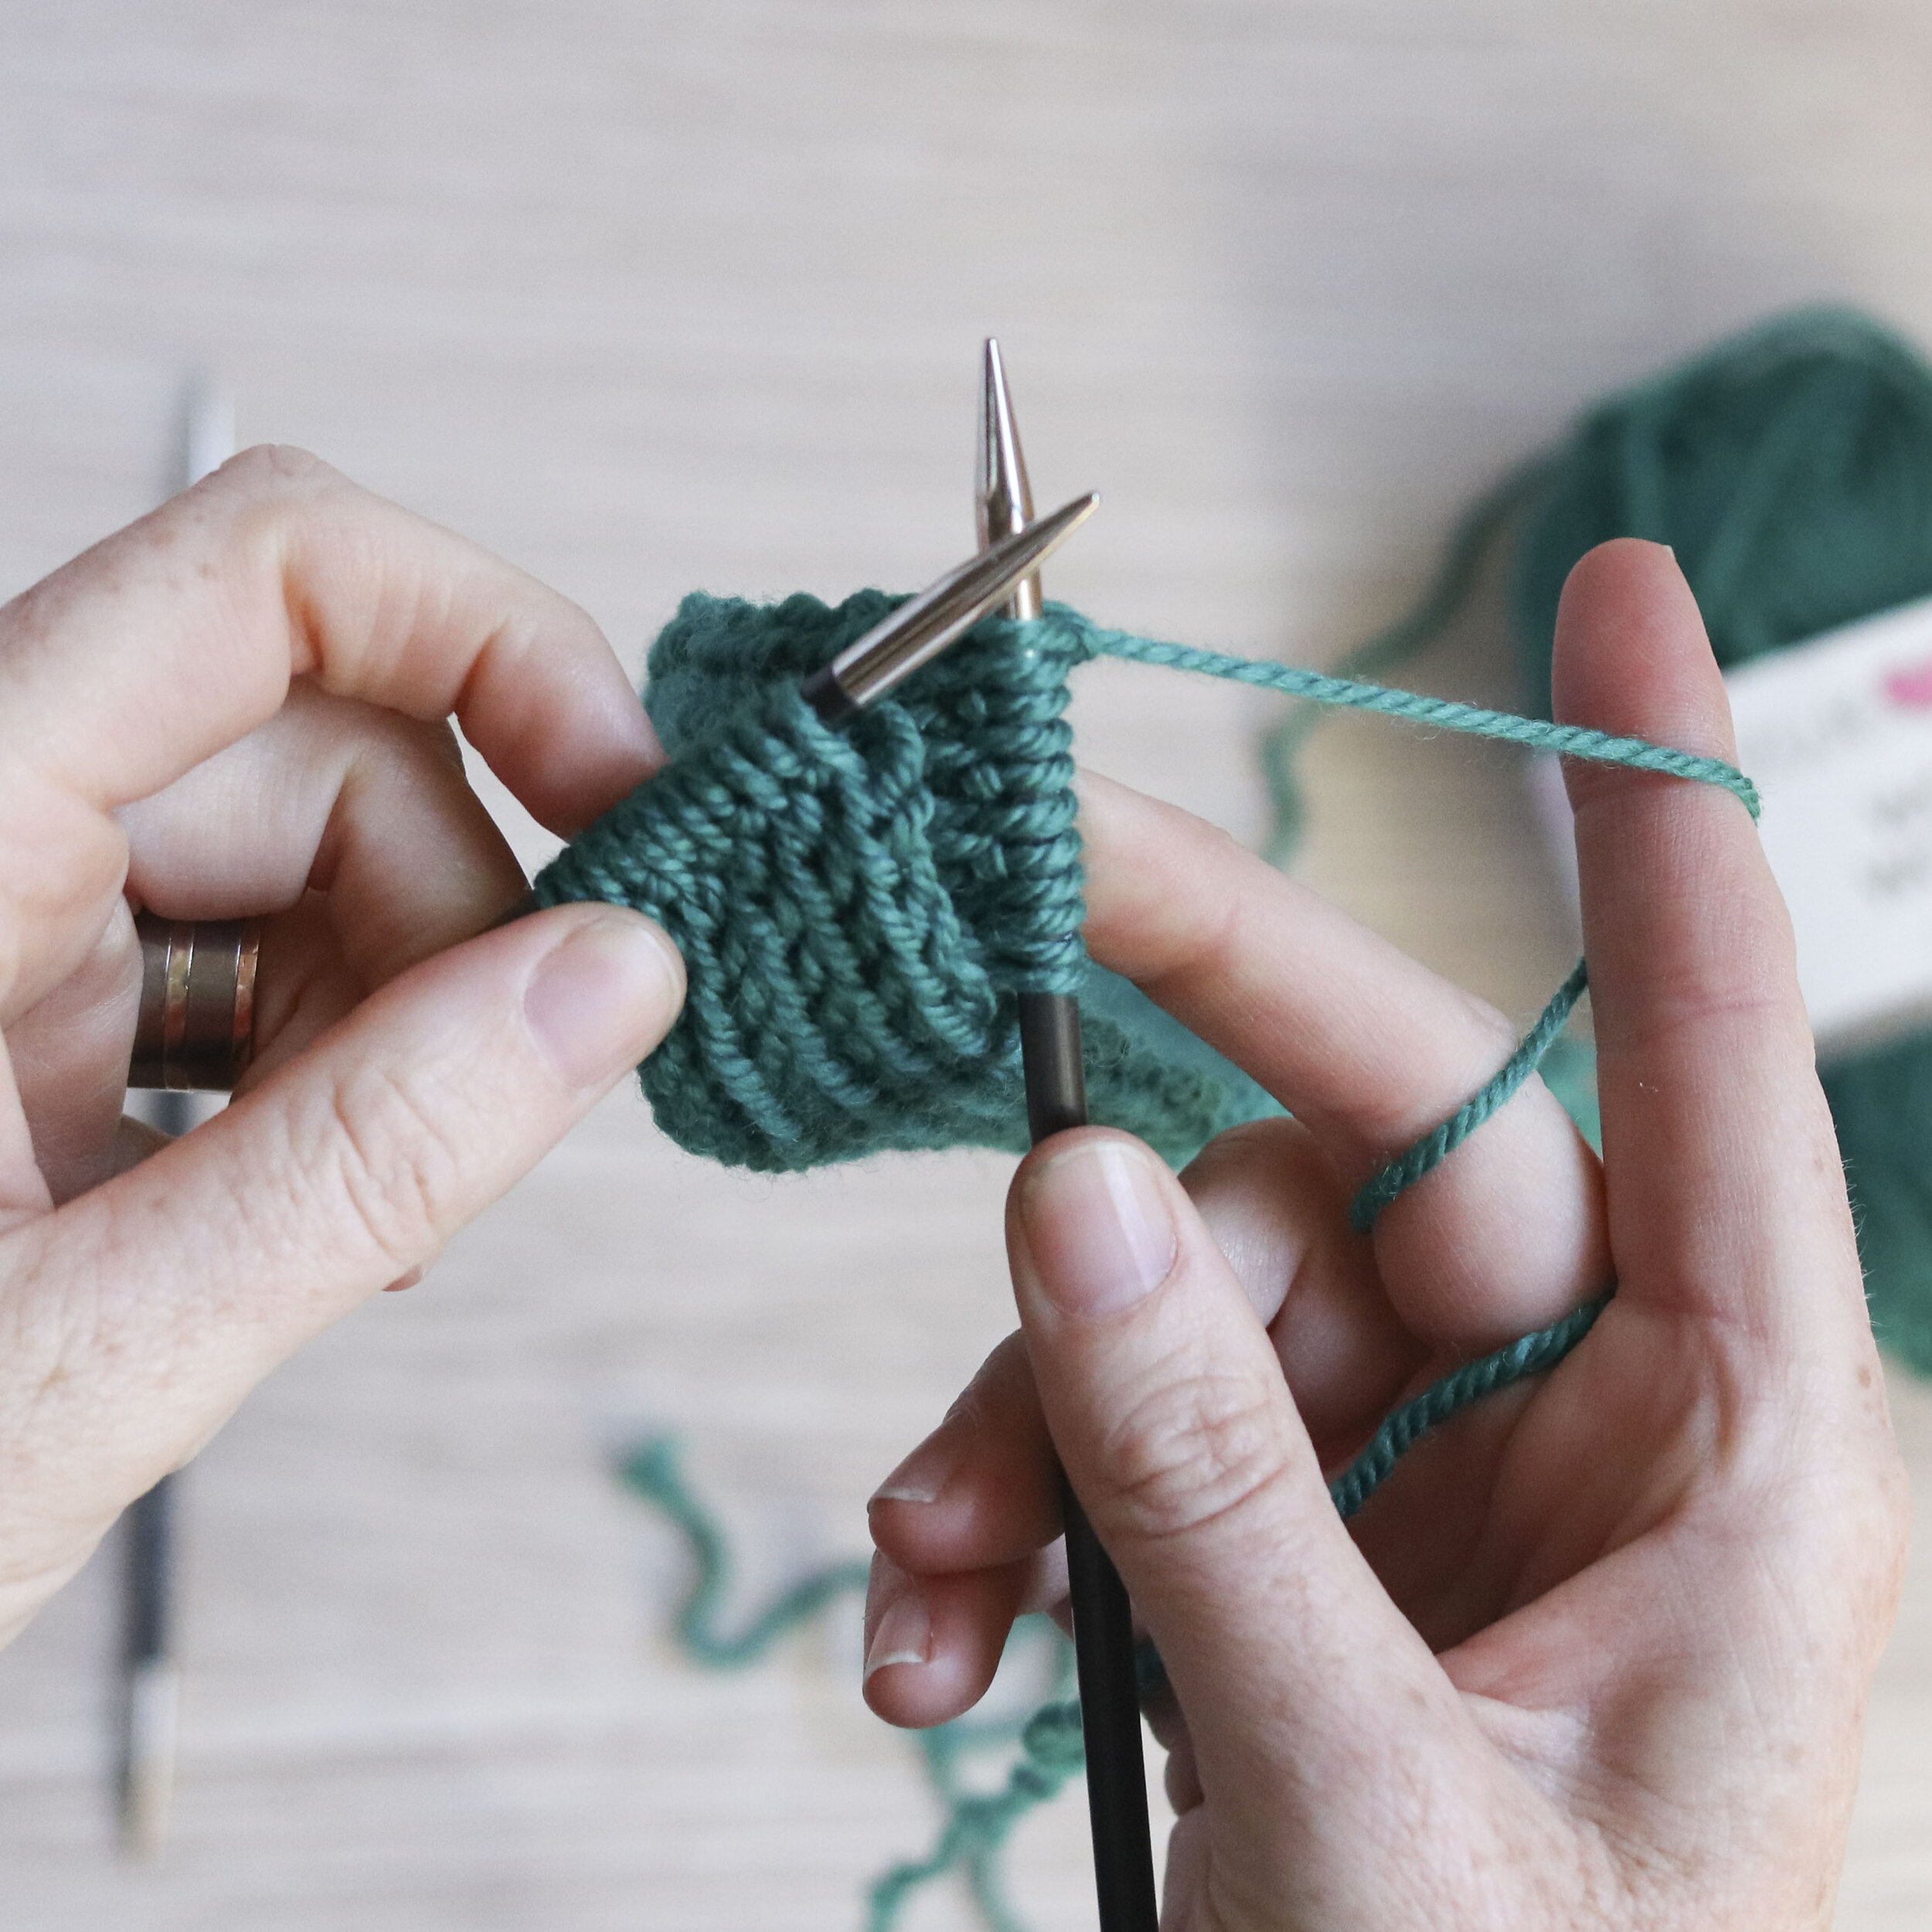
(1231,1456)
(392,1162)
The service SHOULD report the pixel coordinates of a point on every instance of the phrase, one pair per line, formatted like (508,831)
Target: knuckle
(390,1164)
(1190,1451)
(266,469)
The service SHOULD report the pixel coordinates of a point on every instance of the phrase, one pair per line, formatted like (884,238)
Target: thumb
(140,1314)
(1167,1404)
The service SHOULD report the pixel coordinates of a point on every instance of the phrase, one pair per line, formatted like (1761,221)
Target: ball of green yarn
(1791,470)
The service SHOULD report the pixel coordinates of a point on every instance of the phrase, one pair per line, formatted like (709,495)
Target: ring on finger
(196,1030)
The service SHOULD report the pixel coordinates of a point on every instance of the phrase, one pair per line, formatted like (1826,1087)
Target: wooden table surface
(647,296)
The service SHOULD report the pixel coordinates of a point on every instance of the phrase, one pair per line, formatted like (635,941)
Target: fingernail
(404,1282)
(597,1002)
(904,1635)
(923,1474)
(1097,1227)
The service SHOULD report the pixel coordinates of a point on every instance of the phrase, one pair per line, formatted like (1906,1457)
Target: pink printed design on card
(1911,690)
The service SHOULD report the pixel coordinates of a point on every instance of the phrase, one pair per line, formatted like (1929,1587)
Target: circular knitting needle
(1050,1049)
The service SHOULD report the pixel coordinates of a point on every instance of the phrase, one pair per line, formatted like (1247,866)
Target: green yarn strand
(978,1825)
(1435,1147)
(1052,1751)
(1441,714)
(653,1471)
(1404,1428)
(1528,1355)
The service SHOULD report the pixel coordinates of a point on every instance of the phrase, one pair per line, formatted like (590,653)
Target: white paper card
(1837,733)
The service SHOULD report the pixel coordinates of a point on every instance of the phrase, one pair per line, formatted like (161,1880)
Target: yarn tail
(977,1825)
(655,1472)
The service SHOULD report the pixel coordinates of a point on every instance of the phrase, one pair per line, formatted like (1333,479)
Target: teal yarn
(1440,714)
(1052,1752)
(655,1470)
(1404,1426)
(1034,1756)
(1468,1382)
(1435,1146)
(1791,470)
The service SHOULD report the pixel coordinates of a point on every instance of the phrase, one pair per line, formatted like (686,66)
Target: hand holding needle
(1056,1099)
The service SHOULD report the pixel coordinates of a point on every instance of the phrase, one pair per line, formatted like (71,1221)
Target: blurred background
(651,296)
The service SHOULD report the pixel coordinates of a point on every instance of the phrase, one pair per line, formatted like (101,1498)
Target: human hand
(237,706)
(1597,1654)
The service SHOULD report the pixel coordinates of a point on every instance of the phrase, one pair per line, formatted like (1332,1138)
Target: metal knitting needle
(923,626)
(1050,1049)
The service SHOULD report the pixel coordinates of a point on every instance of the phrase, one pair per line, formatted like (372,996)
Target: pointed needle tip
(1001,491)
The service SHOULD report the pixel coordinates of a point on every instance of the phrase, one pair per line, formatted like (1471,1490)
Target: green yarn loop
(1435,1146)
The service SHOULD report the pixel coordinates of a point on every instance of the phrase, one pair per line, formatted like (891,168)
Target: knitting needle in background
(150,1683)
(1050,1049)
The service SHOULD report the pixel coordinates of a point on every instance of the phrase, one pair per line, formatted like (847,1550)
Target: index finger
(180,633)
(1726,1197)
(1369,1049)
